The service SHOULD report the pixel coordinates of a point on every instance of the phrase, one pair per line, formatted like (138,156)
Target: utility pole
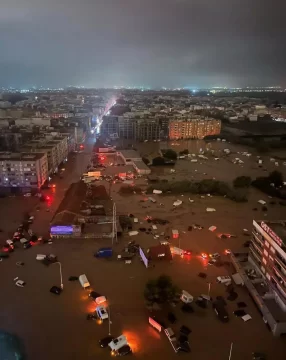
(114,225)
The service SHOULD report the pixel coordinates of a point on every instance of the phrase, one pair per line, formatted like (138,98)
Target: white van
(117,343)
(83,281)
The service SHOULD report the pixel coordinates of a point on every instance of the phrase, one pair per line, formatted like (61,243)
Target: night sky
(172,43)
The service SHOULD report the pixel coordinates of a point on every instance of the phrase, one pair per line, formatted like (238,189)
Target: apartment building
(143,128)
(267,253)
(193,128)
(23,171)
(56,149)
(109,125)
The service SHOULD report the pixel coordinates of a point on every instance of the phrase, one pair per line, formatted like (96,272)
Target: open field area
(55,327)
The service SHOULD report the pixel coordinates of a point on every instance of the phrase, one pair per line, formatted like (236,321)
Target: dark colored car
(258,356)
(55,290)
(221,311)
(185,330)
(94,295)
(124,350)
(4,255)
(105,341)
(184,347)
(27,245)
(172,318)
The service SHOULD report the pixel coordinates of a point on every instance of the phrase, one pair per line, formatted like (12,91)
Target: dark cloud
(142,42)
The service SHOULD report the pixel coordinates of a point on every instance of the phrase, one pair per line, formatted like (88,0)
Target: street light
(61,275)
(109,320)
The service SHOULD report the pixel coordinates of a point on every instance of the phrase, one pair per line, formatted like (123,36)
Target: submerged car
(123,351)
(105,341)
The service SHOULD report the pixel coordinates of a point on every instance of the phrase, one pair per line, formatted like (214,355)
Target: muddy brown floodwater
(55,327)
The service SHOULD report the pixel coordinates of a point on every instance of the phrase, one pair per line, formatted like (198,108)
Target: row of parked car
(25,238)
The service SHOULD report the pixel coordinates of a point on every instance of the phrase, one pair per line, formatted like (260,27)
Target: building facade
(56,149)
(194,128)
(268,252)
(23,171)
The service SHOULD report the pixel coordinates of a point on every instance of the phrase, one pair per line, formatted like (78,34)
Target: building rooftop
(278,227)
(129,154)
(21,156)
(275,310)
(141,165)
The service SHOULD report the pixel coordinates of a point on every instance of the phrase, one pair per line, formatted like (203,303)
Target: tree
(276,177)
(170,154)
(184,152)
(161,290)
(242,181)
(158,161)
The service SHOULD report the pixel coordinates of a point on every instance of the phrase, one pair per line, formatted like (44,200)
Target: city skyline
(181,44)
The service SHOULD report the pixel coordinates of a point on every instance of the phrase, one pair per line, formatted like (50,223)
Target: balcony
(258,237)
(281,271)
(257,247)
(279,286)
(256,256)
(280,260)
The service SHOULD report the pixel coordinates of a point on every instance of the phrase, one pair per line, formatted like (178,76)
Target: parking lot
(53,327)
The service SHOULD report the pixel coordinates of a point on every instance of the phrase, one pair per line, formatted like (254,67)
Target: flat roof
(141,165)
(21,156)
(115,170)
(129,154)
(275,310)
(278,227)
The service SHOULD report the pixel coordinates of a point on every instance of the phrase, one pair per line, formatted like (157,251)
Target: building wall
(23,171)
(270,257)
(196,129)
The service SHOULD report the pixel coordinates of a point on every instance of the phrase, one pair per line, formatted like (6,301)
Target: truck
(83,281)
(105,252)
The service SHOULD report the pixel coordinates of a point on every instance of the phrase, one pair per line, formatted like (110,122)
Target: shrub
(161,290)
(170,154)
(276,178)
(128,190)
(184,152)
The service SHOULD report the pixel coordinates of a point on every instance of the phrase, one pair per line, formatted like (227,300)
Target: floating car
(105,341)
(55,290)
(20,283)
(101,312)
(124,350)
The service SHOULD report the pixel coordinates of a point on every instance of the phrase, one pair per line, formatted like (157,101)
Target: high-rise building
(193,128)
(268,253)
(109,125)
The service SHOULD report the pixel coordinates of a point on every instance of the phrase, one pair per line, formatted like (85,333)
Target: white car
(27,194)
(117,343)
(226,280)
(101,312)
(20,283)
(9,242)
